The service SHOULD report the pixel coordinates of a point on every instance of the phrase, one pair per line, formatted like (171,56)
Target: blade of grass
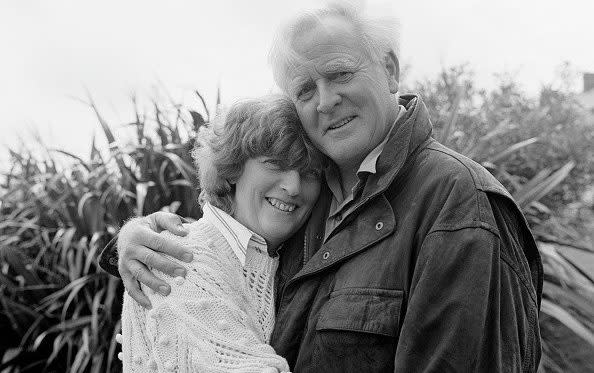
(568,320)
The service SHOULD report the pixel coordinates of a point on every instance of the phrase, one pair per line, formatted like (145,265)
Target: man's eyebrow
(340,64)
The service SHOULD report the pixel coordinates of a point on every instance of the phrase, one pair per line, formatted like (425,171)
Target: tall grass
(59,312)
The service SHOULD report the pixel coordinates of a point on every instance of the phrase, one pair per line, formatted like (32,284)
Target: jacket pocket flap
(362,310)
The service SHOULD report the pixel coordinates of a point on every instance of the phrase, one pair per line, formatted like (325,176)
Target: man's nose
(291,182)
(328,97)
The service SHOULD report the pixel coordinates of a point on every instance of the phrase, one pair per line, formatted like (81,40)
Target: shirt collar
(237,235)
(369,163)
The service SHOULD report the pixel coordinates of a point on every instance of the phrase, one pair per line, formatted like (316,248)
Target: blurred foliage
(59,312)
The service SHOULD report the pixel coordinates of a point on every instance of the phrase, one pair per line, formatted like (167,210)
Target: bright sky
(52,50)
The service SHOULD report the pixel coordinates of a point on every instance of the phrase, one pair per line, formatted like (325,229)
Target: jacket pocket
(364,310)
(358,328)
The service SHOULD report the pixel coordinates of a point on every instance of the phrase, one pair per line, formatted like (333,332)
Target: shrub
(59,310)
(61,313)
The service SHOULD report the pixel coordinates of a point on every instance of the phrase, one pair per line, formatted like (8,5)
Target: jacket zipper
(282,291)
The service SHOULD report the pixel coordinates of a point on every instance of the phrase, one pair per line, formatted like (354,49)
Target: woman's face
(274,202)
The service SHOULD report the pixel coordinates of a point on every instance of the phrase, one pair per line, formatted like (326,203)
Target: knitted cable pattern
(219,319)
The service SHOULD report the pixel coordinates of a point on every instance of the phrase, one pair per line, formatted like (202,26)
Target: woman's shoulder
(202,236)
(200,231)
(212,254)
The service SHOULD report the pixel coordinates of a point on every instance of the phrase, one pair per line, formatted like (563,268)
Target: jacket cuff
(108,258)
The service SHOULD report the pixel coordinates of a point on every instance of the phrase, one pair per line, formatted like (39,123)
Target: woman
(260,178)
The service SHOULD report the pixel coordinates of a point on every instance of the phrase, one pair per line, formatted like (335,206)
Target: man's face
(345,101)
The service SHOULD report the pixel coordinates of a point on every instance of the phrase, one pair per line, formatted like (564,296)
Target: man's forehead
(324,59)
(324,63)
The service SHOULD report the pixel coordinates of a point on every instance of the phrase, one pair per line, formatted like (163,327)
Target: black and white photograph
(296,186)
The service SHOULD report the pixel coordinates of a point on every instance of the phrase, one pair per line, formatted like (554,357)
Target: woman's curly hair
(267,126)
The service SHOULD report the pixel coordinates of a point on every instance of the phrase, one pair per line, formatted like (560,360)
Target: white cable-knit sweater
(219,319)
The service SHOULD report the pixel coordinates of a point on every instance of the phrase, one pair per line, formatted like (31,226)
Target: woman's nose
(291,182)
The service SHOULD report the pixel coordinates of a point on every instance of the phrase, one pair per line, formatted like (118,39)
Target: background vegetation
(59,312)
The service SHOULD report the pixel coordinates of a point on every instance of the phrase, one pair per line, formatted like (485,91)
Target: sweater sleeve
(204,324)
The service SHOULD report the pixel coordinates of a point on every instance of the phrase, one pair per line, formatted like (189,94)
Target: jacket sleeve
(471,308)
(108,258)
(200,326)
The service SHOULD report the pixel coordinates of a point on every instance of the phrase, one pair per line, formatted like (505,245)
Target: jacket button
(326,255)
(113,261)
(379,225)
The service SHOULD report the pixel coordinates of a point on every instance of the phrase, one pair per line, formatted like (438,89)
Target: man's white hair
(379,34)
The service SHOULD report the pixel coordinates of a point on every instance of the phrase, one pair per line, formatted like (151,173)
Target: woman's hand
(139,248)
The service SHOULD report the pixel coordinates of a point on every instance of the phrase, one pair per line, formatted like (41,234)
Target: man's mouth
(343,122)
(283,206)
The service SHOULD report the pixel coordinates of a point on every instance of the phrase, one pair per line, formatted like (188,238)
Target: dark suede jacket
(435,271)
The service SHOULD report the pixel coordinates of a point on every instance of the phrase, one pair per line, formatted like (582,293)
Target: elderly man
(415,259)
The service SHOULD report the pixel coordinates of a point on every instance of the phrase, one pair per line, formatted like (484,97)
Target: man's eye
(342,76)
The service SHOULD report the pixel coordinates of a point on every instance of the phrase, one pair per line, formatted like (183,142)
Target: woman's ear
(392,71)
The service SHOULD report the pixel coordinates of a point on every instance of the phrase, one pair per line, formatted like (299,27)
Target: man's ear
(392,71)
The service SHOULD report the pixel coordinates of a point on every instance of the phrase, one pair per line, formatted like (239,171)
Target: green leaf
(91,211)
(141,192)
(536,190)
(187,170)
(512,149)
(62,327)
(568,320)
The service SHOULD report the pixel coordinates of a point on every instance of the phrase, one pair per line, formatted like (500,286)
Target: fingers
(138,235)
(143,275)
(167,245)
(162,264)
(161,221)
(133,289)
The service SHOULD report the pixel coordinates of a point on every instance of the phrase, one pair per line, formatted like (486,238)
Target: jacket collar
(412,130)
(406,136)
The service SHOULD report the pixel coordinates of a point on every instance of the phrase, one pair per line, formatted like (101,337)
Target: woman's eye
(305,93)
(272,164)
(312,174)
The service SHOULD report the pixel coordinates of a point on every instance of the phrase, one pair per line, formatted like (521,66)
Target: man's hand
(139,248)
